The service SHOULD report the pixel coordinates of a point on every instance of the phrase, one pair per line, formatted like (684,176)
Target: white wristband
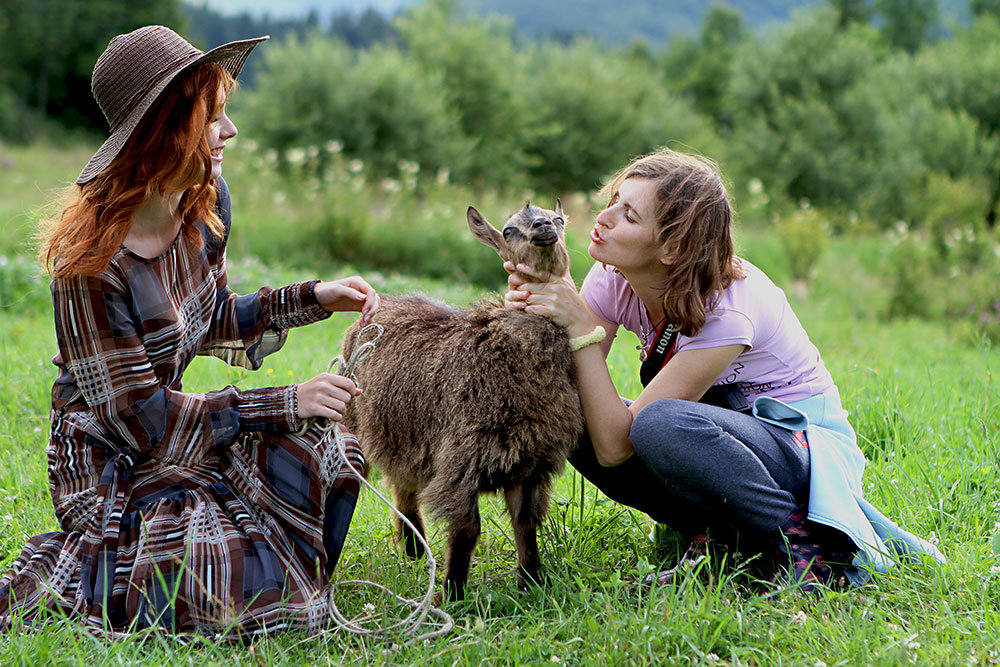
(595,336)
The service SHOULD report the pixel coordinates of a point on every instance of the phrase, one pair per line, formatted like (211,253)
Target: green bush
(592,110)
(482,75)
(381,105)
(914,292)
(22,284)
(803,236)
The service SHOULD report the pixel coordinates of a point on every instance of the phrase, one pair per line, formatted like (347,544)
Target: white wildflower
(334,146)
(296,156)
(799,617)
(355,165)
(755,186)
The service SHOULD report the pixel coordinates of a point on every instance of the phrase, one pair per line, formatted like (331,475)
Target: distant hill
(653,20)
(610,21)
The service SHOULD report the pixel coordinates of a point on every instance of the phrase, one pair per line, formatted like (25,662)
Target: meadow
(923,398)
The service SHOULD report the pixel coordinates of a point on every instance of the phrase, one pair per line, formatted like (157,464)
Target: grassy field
(923,398)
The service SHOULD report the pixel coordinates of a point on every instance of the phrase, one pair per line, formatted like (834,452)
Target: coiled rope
(334,441)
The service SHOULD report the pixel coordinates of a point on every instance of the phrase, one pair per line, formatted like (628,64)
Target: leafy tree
(380,104)
(48,49)
(963,74)
(364,29)
(979,7)
(702,71)
(592,109)
(794,123)
(482,78)
(852,11)
(907,24)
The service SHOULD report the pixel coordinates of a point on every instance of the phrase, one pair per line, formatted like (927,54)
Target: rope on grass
(334,441)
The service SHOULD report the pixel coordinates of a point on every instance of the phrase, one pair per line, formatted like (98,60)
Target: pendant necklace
(645,333)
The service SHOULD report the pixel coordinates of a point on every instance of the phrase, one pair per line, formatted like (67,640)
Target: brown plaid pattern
(197,512)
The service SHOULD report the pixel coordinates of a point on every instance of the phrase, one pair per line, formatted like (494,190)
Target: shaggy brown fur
(458,402)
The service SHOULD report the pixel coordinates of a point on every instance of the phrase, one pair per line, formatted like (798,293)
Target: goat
(463,401)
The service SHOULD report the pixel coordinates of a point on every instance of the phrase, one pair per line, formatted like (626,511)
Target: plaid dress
(195,512)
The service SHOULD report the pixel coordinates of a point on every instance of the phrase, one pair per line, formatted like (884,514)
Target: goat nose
(538,223)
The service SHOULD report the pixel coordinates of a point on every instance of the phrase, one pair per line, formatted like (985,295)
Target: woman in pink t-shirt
(665,255)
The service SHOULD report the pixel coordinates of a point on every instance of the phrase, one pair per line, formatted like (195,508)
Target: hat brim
(231,56)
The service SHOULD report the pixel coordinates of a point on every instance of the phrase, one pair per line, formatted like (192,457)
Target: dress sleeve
(101,346)
(245,329)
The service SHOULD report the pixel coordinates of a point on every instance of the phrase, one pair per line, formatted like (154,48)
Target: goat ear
(486,232)
(559,210)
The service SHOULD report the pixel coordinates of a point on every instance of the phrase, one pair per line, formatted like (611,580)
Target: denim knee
(658,427)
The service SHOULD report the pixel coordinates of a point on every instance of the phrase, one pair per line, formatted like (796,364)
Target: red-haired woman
(739,434)
(192,511)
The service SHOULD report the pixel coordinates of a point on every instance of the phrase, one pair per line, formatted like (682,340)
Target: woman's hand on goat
(352,293)
(326,395)
(554,297)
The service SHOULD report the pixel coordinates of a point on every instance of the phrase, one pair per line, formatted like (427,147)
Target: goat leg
(409,506)
(526,510)
(463,535)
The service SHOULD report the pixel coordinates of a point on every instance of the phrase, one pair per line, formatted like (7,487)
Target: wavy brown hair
(694,217)
(167,153)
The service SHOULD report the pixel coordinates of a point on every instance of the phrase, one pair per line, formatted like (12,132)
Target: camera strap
(724,396)
(659,352)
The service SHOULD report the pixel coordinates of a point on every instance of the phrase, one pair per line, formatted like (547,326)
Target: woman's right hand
(326,395)
(554,297)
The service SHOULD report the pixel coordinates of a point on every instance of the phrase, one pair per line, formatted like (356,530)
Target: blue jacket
(835,494)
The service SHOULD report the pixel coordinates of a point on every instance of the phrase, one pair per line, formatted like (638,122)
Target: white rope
(408,627)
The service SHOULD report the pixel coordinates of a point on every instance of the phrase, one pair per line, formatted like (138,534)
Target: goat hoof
(413,548)
(455,592)
(526,580)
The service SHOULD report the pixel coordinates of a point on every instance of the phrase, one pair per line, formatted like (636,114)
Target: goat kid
(463,401)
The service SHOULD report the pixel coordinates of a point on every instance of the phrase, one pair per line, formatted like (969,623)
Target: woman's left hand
(554,297)
(352,293)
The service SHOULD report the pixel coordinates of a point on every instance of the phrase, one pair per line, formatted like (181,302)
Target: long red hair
(167,153)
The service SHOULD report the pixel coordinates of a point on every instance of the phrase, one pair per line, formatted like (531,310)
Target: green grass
(923,398)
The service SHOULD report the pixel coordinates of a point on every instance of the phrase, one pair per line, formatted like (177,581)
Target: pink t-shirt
(780,361)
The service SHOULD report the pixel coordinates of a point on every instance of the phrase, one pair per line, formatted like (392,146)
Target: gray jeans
(700,468)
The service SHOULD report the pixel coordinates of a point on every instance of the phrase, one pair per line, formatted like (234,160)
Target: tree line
(859,106)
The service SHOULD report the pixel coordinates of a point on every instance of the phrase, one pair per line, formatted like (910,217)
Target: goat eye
(559,221)
(507,232)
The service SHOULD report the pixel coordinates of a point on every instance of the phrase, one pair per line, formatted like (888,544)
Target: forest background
(851,117)
(861,145)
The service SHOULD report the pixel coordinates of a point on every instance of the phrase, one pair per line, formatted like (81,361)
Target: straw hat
(135,69)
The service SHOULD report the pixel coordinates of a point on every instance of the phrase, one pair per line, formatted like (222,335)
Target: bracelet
(595,336)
